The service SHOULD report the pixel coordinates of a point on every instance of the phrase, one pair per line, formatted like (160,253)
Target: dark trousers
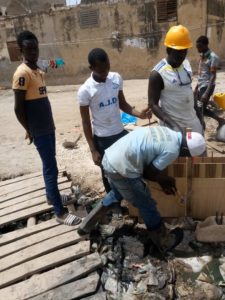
(45,145)
(202,109)
(137,193)
(102,143)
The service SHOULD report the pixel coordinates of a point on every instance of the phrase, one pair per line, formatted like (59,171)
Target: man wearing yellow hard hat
(170,92)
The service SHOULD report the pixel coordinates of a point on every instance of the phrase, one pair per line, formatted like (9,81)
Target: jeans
(137,193)
(102,143)
(45,145)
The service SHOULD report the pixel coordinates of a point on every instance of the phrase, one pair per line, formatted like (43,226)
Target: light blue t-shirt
(208,61)
(130,154)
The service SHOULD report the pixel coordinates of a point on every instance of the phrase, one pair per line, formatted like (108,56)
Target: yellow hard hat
(178,37)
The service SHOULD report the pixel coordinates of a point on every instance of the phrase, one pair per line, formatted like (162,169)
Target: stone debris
(222,270)
(195,264)
(106,230)
(134,270)
(209,231)
(207,291)
(132,246)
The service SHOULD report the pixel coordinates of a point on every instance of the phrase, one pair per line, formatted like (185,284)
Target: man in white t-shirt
(144,153)
(102,95)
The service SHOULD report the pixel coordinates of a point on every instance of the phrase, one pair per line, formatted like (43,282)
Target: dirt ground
(16,157)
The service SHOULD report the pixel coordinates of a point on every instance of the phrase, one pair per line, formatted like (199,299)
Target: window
(89,18)
(166,10)
(216,8)
(14,51)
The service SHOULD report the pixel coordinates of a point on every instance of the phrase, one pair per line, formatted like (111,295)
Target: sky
(72,2)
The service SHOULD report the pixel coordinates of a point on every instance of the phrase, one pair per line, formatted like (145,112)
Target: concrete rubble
(133,270)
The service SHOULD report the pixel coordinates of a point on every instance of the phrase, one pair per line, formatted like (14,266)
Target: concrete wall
(138,49)
(21,7)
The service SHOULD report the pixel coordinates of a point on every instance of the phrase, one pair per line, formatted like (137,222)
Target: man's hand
(204,99)
(29,138)
(168,184)
(96,157)
(145,113)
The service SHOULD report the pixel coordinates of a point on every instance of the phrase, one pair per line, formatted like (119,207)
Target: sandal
(68,219)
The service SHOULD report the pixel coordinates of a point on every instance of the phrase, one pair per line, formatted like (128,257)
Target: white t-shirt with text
(102,98)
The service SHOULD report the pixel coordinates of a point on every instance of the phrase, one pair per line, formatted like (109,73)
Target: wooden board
(22,233)
(19,178)
(22,205)
(26,190)
(40,248)
(51,279)
(35,238)
(73,290)
(45,262)
(17,186)
(201,180)
(32,195)
(208,197)
(24,177)
(25,213)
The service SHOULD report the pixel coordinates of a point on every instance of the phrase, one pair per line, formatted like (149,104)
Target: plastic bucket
(219,98)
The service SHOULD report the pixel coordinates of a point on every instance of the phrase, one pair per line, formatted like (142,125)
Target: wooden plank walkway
(59,258)
(24,198)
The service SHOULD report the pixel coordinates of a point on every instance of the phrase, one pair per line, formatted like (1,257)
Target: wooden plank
(207,197)
(22,214)
(27,190)
(206,160)
(23,177)
(188,182)
(39,249)
(169,205)
(20,178)
(73,290)
(43,263)
(36,194)
(22,233)
(34,239)
(51,279)
(22,205)
(22,184)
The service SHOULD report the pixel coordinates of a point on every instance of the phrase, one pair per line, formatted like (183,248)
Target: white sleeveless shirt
(177,99)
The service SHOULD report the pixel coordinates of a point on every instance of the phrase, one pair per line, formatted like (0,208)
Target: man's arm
(86,123)
(19,108)
(167,183)
(155,86)
(127,108)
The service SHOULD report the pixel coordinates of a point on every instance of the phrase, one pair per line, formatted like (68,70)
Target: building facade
(131,31)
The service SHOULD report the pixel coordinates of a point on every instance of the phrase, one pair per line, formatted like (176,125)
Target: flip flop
(68,219)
